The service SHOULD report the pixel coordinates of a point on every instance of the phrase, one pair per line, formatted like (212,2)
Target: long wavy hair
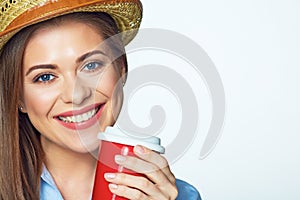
(21,153)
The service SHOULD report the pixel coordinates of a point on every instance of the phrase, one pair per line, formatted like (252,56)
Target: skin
(57,81)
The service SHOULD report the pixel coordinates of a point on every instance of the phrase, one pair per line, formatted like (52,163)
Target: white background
(255,47)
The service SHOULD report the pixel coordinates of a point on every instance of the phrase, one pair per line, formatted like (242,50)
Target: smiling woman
(65,90)
(71,88)
(61,82)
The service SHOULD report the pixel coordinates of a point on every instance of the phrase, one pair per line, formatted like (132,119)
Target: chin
(89,144)
(86,148)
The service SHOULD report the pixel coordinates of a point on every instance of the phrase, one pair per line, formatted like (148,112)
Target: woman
(59,86)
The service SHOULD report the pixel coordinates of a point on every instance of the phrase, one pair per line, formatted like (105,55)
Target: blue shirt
(49,191)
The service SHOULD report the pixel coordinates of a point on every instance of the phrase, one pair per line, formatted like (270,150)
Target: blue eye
(44,78)
(93,66)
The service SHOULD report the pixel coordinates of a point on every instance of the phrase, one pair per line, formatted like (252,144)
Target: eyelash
(39,76)
(100,65)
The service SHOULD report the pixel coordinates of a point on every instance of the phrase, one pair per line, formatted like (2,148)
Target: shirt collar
(46,176)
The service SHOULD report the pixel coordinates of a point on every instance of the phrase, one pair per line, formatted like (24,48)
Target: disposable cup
(116,142)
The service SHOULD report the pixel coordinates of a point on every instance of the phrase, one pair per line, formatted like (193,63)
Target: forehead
(67,29)
(62,39)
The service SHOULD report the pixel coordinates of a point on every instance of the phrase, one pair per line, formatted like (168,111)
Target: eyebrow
(43,66)
(78,60)
(88,54)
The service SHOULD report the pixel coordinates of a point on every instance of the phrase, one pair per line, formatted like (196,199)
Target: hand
(158,184)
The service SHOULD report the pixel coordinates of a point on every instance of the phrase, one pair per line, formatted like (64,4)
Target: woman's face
(71,90)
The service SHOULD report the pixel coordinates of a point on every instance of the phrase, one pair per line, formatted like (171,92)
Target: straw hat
(17,14)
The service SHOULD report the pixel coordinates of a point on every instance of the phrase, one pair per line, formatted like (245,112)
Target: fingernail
(112,186)
(139,149)
(109,175)
(120,159)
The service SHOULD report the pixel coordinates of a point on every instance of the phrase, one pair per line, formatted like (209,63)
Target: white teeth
(79,118)
(85,116)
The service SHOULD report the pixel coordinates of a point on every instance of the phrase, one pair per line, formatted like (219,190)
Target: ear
(22,107)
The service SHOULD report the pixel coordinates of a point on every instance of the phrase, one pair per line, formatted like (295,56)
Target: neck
(70,170)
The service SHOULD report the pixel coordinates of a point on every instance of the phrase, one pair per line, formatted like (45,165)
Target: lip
(81,125)
(78,112)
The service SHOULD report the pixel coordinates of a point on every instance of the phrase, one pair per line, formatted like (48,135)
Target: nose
(75,91)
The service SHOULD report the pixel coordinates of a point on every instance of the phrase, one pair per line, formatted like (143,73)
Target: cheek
(109,82)
(111,86)
(39,101)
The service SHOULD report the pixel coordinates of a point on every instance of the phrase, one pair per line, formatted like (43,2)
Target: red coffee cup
(116,142)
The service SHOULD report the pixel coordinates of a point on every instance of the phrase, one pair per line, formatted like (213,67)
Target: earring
(21,108)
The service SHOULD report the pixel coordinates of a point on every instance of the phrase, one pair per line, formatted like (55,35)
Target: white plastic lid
(114,134)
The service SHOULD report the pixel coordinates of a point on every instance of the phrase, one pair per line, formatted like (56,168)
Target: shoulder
(186,191)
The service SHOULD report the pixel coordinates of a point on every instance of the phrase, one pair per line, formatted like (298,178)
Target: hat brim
(126,13)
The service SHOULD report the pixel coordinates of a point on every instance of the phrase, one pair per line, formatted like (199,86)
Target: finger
(150,170)
(138,182)
(140,166)
(129,193)
(153,157)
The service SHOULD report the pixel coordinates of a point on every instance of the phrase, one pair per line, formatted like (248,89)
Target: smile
(79,118)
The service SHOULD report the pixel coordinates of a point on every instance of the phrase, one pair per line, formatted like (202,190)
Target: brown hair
(21,154)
